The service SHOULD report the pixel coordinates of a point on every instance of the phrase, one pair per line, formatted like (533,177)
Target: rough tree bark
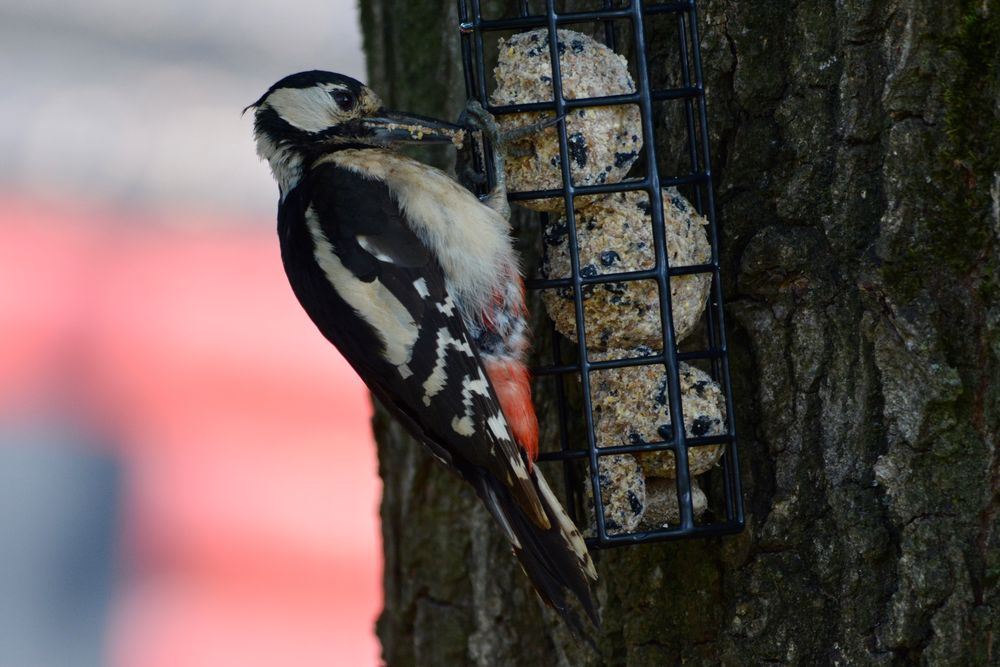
(857,158)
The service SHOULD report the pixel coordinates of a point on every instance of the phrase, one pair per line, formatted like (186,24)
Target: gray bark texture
(856,152)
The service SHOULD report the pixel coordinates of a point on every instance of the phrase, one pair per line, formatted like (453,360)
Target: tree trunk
(856,155)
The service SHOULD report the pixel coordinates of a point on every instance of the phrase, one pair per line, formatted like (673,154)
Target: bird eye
(344,99)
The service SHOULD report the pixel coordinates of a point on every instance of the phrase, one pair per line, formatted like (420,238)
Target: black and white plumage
(415,281)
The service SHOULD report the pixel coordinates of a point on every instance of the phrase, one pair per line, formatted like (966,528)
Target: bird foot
(504,144)
(476,116)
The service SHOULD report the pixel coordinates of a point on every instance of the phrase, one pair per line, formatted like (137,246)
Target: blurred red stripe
(251,529)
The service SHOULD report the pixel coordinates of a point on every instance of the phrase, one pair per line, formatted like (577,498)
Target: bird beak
(392,127)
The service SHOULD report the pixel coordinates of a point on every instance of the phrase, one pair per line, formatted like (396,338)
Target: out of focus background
(187,475)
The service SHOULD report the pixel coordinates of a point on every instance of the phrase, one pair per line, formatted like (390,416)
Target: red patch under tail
(510,380)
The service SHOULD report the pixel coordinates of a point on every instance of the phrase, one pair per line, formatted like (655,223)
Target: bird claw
(476,116)
(518,133)
(512,139)
(481,119)
(505,144)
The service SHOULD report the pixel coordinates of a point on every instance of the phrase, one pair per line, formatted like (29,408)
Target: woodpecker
(415,281)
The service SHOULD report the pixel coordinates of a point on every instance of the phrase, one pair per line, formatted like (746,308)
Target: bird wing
(377,293)
(428,371)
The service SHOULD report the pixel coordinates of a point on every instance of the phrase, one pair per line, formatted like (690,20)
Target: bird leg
(477,116)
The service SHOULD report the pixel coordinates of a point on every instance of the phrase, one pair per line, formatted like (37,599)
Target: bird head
(316,111)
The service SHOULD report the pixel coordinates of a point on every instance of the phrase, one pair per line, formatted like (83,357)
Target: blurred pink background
(186,467)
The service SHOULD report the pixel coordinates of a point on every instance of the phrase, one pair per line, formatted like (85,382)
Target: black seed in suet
(578,149)
(701,425)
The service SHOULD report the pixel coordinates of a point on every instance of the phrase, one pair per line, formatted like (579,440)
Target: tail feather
(555,559)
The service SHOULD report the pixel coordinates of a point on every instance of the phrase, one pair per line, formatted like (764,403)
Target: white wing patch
(435,381)
(369,248)
(498,426)
(448,307)
(421,286)
(501,431)
(466,425)
(372,301)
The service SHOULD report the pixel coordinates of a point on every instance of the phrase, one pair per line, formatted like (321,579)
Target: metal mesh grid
(631,18)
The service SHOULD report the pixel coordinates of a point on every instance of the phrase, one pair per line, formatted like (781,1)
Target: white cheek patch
(308,109)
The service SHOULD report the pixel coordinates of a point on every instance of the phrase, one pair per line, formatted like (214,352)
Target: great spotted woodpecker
(415,281)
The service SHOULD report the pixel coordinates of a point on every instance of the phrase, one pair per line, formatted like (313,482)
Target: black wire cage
(670,96)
